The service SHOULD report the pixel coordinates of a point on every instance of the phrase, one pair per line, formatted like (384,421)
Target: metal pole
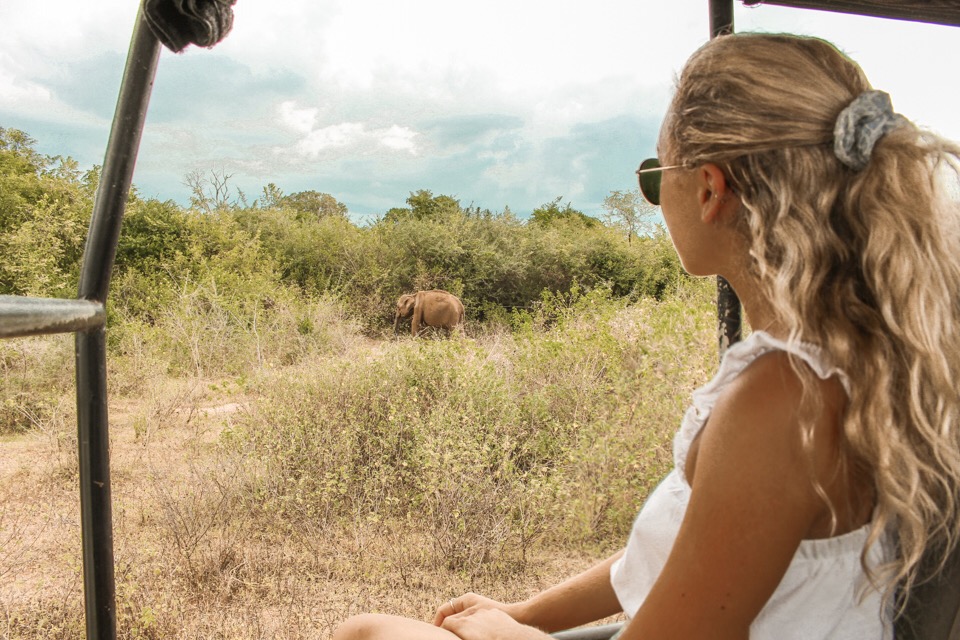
(721,17)
(91,349)
(729,312)
(26,316)
(119,161)
(96,519)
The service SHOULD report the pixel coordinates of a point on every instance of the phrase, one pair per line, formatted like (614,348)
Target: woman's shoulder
(753,494)
(778,389)
(762,370)
(793,419)
(781,374)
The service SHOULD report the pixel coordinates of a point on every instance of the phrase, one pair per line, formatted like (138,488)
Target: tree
(423,205)
(547,214)
(630,211)
(18,147)
(44,212)
(210,194)
(21,173)
(270,198)
(314,204)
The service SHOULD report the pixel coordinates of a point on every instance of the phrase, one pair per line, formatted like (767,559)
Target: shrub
(36,383)
(491,440)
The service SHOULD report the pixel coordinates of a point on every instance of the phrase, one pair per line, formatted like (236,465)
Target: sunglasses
(649,174)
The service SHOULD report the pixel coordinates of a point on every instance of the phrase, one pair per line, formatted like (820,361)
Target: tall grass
(491,440)
(358,474)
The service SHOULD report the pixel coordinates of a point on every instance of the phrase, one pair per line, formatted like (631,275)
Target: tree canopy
(306,244)
(629,210)
(552,212)
(423,205)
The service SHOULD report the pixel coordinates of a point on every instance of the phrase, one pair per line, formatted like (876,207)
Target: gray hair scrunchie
(865,120)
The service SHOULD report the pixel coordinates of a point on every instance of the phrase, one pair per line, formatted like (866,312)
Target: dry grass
(207,545)
(189,564)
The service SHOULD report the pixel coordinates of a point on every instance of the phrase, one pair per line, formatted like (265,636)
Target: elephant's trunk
(396,324)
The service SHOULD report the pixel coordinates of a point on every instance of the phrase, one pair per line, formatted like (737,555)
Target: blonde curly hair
(865,264)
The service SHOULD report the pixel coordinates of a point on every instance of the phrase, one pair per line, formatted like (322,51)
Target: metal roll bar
(86,316)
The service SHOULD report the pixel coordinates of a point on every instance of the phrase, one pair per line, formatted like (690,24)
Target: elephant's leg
(431,317)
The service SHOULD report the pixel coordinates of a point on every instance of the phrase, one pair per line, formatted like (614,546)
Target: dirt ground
(188,563)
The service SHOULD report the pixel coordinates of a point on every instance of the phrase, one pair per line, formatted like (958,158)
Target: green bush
(496,262)
(45,207)
(492,440)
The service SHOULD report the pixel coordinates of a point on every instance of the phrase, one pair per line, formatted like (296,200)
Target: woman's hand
(583,598)
(484,623)
(470,603)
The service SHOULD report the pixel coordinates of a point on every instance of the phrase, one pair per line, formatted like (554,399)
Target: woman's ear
(714,194)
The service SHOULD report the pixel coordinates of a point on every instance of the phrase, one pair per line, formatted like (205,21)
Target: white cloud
(399,138)
(337,135)
(24,98)
(356,137)
(14,92)
(528,47)
(38,34)
(297,119)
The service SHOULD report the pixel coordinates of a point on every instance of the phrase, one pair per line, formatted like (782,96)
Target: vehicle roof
(934,11)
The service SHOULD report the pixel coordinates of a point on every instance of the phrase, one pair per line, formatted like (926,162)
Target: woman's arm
(583,598)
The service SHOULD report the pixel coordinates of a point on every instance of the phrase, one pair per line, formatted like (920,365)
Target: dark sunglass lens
(650,181)
(650,187)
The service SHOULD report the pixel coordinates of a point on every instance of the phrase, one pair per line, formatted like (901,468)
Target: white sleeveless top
(820,594)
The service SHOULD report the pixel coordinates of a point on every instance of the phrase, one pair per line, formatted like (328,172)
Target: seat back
(602,632)
(933,610)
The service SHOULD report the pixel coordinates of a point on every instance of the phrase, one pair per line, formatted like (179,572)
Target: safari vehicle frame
(934,612)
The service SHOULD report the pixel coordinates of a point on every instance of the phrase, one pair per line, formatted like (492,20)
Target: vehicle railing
(157,21)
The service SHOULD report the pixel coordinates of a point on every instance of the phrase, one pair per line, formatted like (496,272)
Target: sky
(501,103)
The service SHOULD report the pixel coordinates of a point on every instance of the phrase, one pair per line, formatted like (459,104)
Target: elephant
(435,308)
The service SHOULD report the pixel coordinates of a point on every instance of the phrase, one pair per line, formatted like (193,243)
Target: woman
(832,429)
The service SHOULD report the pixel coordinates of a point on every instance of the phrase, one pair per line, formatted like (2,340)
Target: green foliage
(21,168)
(629,210)
(155,234)
(552,212)
(307,204)
(494,261)
(303,242)
(44,214)
(491,441)
(423,205)
(315,204)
